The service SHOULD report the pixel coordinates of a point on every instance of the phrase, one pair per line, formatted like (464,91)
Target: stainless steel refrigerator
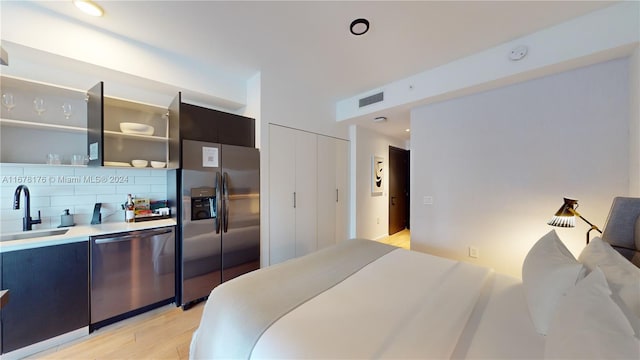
(219,222)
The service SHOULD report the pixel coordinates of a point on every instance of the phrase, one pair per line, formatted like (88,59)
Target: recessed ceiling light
(359,26)
(88,7)
(407,130)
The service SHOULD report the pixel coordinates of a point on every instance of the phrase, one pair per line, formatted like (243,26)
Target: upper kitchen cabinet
(204,124)
(38,119)
(120,131)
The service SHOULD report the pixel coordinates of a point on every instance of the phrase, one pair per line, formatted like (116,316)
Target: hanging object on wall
(4,57)
(377,175)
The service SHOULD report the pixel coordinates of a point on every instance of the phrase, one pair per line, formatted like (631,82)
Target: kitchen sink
(32,234)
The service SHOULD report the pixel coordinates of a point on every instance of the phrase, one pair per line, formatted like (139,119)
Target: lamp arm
(593,227)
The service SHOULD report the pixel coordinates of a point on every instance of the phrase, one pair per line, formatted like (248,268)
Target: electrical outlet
(427,200)
(474,252)
(377,220)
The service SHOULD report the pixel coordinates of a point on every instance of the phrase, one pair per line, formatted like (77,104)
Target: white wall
(371,211)
(77,188)
(498,163)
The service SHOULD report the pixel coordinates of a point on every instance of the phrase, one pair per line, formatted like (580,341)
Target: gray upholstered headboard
(622,229)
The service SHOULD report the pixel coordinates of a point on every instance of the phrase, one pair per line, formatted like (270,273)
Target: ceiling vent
(375,98)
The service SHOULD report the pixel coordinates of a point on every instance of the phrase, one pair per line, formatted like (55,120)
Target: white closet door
(282,236)
(327,191)
(305,192)
(342,184)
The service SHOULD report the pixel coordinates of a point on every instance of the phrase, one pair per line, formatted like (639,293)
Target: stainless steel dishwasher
(131,272)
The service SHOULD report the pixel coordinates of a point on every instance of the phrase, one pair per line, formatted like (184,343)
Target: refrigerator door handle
(218,200)
(225,191)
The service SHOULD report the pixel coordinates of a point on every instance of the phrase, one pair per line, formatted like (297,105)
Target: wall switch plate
(427,200)
(474,252)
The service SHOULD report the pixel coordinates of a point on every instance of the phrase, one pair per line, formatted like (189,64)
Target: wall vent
(375,98)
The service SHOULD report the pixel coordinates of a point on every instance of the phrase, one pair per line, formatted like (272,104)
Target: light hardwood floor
(400,239)
(163,333)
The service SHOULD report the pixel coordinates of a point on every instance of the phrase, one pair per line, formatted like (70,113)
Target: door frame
(406,154)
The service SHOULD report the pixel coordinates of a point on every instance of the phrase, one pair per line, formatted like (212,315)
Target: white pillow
(548,272)
(623,277)
(589,325)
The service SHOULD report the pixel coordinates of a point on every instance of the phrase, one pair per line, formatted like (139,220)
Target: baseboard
(46,344)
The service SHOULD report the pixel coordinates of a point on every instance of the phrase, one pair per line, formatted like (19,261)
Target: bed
(363,299)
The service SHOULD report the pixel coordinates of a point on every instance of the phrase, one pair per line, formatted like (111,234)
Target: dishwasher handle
(134,235)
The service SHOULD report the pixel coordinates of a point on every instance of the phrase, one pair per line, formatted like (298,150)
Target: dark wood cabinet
(203,124)
(49,293)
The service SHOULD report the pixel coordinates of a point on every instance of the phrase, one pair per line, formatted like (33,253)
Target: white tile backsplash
(77,188)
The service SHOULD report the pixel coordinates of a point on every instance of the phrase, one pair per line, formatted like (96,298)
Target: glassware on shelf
(67,110)
(8,101)
(39,106)
(53,159)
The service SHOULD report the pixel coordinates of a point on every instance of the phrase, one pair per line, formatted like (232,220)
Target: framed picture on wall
(377,175)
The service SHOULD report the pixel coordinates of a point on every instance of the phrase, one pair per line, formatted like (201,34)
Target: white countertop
(79,233)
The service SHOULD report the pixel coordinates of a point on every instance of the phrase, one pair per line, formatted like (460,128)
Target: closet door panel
(305,189)
(342,184)
(327,191)
(282,235)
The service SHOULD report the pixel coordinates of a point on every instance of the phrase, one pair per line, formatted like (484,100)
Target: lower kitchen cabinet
(48,293)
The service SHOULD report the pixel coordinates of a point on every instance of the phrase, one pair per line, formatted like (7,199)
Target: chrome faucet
(26,220)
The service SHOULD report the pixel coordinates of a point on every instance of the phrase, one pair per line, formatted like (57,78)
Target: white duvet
(403,305)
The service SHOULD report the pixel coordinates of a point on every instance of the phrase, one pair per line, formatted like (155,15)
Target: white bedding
(402,305)
(397,307)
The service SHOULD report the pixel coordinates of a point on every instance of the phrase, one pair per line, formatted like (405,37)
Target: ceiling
(237,39)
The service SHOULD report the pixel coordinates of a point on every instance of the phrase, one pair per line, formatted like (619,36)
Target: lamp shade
(565,216)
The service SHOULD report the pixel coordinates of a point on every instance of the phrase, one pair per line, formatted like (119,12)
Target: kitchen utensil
(79,159)
(8,101)
(66,219)
(67,110)
(136,128)
(53,159)
(139,163)
(39,106)
(116,163)
(97,217)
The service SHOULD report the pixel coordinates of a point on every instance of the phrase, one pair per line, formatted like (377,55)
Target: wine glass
(8,101)
(38,105)
(67,110)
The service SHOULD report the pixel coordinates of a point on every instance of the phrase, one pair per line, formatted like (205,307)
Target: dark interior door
(398,189)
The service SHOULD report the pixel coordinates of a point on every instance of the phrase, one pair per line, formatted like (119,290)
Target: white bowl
(139,163)
(135,128)
(158,164)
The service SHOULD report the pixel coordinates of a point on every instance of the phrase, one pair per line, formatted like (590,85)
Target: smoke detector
(518,53)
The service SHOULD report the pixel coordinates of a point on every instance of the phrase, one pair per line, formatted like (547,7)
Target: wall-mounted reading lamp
(565,217)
